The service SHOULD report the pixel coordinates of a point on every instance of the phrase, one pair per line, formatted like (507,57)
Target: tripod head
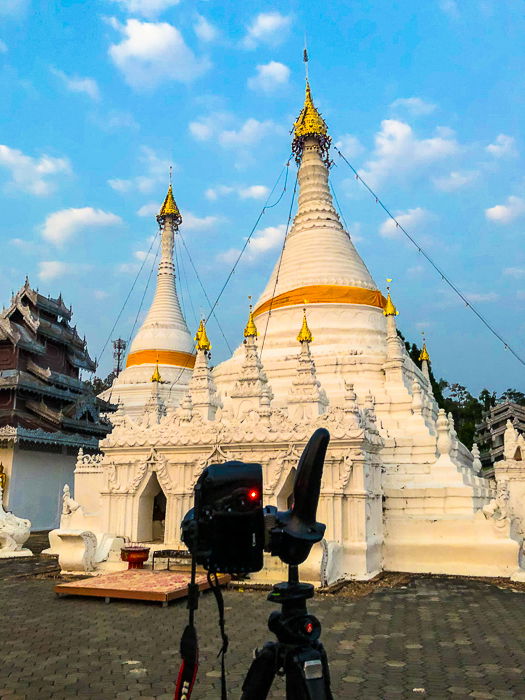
(292,533)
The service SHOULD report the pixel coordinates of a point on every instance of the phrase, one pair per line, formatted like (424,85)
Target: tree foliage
(466,409)
(97,385)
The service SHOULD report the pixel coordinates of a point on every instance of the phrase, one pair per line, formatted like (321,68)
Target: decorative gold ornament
(170,209)
(250,330)
(310,123)
(423,355)
(389,309)
(155,377)
(305,335)
(201,338)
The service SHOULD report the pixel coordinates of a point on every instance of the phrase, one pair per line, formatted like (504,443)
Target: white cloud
(146,8)
(115,120)
(100,294)
(12,8)
(63,225)
(350,146)
(190,222)
(398,151)
(450,8)
(30,174)
(3,47)
(156,171)
(204,30)
(88,86)
(261,242)
(149,209)
(269,77)
(516,272)
(152,52)
(205,127)
(414,106)
(244,192)
(52,269)
(415,270)
(250,133)
(503,147)
(267,28)
(411,219)
(254,192)
(455,180)
(505,213)
(482,296)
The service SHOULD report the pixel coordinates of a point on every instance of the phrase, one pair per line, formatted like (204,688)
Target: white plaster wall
(37,481)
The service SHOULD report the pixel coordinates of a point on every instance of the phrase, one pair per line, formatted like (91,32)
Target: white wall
(37,480)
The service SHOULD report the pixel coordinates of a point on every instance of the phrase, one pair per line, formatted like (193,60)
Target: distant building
(46,412)
(490,432)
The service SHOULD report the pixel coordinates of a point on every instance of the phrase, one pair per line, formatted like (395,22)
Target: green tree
(97,385)
(512,395)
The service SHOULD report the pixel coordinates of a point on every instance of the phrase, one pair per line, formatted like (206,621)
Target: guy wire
(429,259)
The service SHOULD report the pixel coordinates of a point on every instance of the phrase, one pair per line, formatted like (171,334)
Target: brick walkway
(435,638)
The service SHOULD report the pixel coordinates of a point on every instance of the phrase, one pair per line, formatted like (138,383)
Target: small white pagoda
(399,490)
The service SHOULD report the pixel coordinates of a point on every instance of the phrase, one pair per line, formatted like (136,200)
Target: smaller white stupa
(163,346)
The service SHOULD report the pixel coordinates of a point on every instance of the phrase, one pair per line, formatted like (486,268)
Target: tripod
(298,654)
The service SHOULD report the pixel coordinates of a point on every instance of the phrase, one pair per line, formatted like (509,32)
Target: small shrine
(46,411)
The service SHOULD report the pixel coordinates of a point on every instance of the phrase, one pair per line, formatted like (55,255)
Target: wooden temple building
(47,413)
(491,431)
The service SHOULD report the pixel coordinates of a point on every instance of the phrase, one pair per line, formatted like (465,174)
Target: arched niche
(151,511)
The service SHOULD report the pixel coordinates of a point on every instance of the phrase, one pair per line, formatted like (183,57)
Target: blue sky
(98,99)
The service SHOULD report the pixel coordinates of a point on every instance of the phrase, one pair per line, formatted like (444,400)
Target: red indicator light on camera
(308,628)
(253,495)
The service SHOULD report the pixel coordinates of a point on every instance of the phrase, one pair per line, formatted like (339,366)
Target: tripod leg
(307,675)
(261,673)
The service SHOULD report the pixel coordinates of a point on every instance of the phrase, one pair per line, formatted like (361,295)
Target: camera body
(225,529)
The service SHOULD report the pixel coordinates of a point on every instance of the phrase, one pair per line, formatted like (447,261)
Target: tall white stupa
(400,492)
(163,345)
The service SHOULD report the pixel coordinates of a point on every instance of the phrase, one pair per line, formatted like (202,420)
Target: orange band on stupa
(324,294)
(163,357)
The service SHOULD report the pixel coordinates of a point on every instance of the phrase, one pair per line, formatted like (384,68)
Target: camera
(229,528)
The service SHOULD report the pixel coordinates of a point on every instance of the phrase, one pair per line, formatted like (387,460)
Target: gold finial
(305,335)
(423,355)
(389,309)
(170,208)
(250,331)
(201,338)
(155,377)
(310,123)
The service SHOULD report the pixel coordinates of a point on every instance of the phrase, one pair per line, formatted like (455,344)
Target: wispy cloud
(151,53)
(13,8)
(450,8)
(482,296)
(146,8)
(399,152)
(267,28)
(156,171)
(32,174)
(516,272)
(415,106)
(412,220)
(261,242)
(455,180)
(87,86)
(350,146)
(3,47)
(49,270)
(63,225)
(269,77)
(244,192)
(205,30)
(514,208)
(503,147)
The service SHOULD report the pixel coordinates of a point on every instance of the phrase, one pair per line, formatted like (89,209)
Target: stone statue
(69,505)
(13,533)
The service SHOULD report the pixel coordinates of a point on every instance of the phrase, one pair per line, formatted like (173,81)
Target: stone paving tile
(434,638)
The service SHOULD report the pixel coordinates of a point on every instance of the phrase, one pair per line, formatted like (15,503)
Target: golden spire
(170,208)
(250,331)
(310,123)
(155,377)
(390,309)
(305,335)
(423,355)
(201,338)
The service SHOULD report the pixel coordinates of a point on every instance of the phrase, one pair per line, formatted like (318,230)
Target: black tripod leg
(307,675)
(261,673)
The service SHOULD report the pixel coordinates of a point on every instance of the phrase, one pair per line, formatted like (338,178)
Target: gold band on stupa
(324,294)
(163,357)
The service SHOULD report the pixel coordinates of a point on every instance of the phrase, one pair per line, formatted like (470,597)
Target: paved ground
(435,637)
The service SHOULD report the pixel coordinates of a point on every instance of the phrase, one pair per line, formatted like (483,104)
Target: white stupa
(163,345)
(399,492)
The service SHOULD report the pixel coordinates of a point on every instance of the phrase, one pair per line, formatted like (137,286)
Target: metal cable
(429,259)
